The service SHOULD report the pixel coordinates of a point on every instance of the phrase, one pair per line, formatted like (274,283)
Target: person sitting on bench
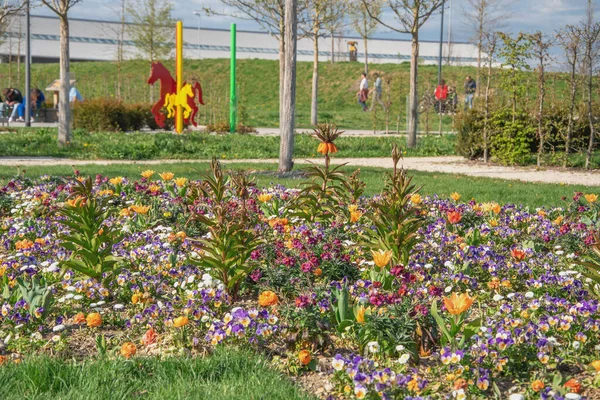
(12,97)
(37,98)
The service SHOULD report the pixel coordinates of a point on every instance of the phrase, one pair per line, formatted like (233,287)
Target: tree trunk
(332,46)
(64,128)
(486,115)
(541,116)
(571,112)
(590,86)
(314,105)
(281,69)
(414,95)
(286,148)
(366,57)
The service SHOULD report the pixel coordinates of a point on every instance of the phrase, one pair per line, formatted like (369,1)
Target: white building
(97,41)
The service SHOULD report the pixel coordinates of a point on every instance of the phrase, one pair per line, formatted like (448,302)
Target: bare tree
(541,45)
(8,9)
(589,33)
(335,23)
(570,40)
(287,119)
(118,31)
(364,17)
(483,16)
(318,13)
(410,16)
(61,9)
(270,15)
(491,42)
(152,27)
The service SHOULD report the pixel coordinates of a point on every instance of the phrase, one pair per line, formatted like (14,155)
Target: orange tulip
(454,217)
(128,350)
(355,216)
(180,322)
(267,298)
(381,257)
(304,357)
(79,318)
(458,304)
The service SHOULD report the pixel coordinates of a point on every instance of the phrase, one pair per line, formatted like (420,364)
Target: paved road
(454,165)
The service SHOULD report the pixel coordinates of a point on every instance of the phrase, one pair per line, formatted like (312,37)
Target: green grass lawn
(481,189)
(229,374)
(145,145)
(258,88)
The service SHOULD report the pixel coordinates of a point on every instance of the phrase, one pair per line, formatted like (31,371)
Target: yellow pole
(179,72)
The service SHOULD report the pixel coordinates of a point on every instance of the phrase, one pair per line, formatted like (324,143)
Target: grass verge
(440,184)
(147,146)
(228,374)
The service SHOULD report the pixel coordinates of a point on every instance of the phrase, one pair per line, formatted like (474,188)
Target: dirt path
(454,165)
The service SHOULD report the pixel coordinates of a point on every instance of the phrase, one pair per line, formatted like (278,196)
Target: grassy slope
(229,374)
(481,189)
(258,88)
(138,146)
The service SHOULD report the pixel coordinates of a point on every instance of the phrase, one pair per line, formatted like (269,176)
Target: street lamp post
(198,14)
(27,66)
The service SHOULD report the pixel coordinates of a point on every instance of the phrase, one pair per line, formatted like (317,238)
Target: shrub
(469,138)
(512,140)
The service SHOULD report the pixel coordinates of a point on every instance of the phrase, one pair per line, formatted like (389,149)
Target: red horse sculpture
(168,85)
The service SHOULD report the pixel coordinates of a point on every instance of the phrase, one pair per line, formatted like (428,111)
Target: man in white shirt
(363,92)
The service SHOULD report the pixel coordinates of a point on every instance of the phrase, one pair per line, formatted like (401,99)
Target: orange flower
(267,299)
(166,176)
(573,385)
(416,199)
(78,201)
(79,318)
(304,357)
(147,174)
(154,188)
(355,216)
(596,365)
(591,198)
(381,257)
(136,298)
(318,272)
(558,220)
(24,244)
(140,209)
(327,148)
(3,359)
(455,196)
(128,350)
(460,383)
(537,385)
(181,321)
(150,337)
(458,304)
(454,217)
(94,320)
(518,254)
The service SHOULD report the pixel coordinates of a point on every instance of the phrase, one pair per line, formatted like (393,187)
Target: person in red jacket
(441,95)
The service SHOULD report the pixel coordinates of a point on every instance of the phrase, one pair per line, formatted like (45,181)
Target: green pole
(232,84)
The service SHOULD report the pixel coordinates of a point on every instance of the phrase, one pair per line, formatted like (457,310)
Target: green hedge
(101,115)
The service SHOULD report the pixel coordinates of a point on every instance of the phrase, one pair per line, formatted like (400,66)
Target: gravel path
(454,165)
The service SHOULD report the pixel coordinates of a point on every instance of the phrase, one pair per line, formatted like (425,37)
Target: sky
(523,15)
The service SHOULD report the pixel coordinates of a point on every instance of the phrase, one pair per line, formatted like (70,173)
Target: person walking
(470,88)
(441,95)
(363,91)
(12,97)
(377,92)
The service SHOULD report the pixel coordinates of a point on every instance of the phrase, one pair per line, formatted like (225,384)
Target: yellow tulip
(116,180)
(416,199)
(265,197)
(455,196)
(591,198)
(147,174)
(381,257)
(180,182)
(166,176)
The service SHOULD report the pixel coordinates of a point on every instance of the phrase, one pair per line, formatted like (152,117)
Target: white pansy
(58,328)
(404,358)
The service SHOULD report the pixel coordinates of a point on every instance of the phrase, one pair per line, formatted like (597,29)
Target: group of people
(447,97)
(12,97)
(364,92)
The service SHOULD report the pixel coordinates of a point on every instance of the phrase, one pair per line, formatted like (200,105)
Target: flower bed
(396,296)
